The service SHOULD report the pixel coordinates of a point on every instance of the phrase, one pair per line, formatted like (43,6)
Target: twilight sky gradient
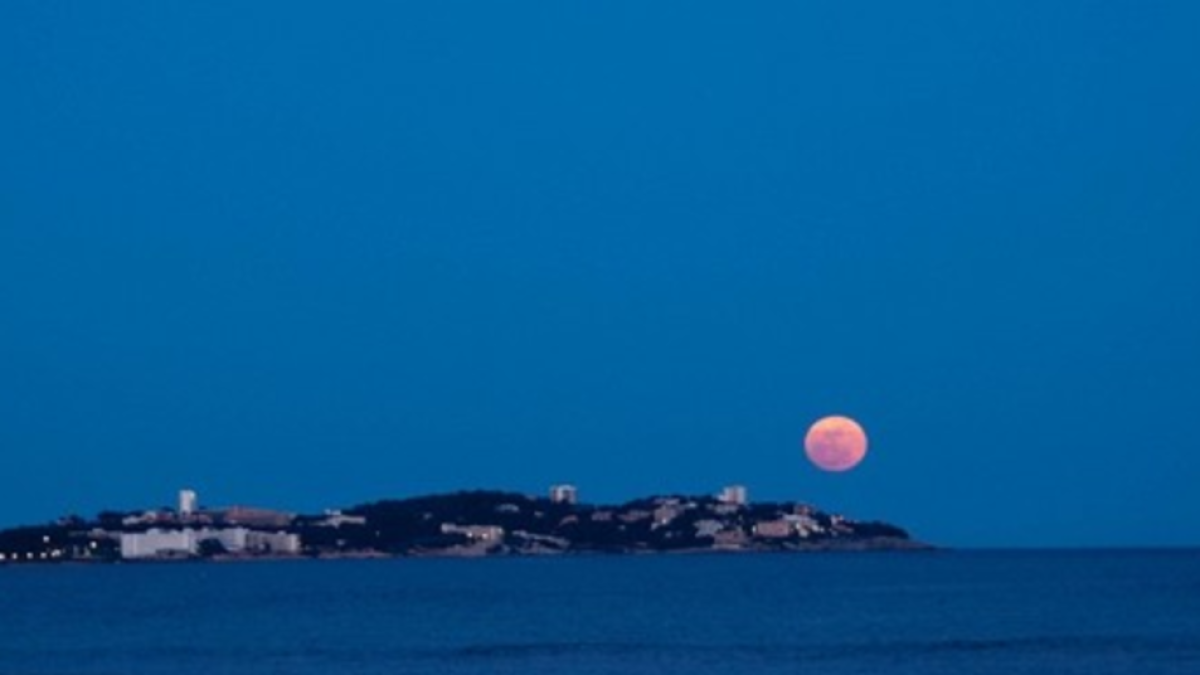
(306,254)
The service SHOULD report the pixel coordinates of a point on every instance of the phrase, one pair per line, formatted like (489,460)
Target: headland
(461,524)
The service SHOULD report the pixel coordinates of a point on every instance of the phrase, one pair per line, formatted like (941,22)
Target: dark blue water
(976,612)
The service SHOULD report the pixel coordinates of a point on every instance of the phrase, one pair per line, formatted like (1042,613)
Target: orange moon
(835,443)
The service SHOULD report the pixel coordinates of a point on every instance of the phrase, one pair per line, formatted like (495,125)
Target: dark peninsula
(472,523)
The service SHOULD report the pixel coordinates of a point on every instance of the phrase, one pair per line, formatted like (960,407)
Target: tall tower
(187,502)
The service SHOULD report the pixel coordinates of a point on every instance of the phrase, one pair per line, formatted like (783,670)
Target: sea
(943,612)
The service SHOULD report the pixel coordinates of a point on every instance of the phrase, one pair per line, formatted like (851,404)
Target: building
(664,514)
(564,494)
(334,518)
(148,518)
(157,543)
(187,502)
(733,538)
(803,524)
(475,533)
(634,515)
(734,495)
(253,517)
(774,529)
(272,542)
(708,527)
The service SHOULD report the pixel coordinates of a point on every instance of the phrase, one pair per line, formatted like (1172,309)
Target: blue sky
(304,255)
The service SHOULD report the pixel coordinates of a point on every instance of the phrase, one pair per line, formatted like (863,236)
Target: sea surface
(1087,612)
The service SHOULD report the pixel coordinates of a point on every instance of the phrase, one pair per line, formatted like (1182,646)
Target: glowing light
(835,443)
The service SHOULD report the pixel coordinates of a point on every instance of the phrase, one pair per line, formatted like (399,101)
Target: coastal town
(460,524)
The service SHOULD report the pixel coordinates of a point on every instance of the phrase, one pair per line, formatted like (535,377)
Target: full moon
(835,443)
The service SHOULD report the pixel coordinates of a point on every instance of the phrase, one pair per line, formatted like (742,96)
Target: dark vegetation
(416,525)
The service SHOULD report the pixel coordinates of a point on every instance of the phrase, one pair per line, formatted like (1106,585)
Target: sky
(306,255)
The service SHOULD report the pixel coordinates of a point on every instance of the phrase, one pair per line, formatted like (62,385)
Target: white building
(733,494)
(272,542)
(564,494)
(804,524)
(335,518)
(233,539)
(475,533)
(187,502)
(157,543)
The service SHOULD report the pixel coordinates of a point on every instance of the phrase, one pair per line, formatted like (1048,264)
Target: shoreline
(870,546)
